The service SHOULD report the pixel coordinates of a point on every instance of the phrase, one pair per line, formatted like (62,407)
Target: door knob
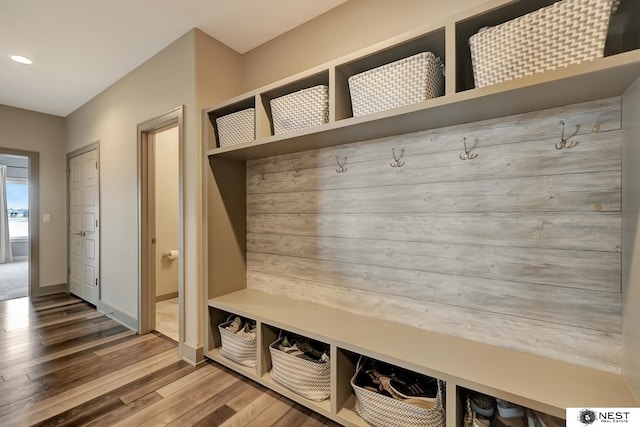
(82,233)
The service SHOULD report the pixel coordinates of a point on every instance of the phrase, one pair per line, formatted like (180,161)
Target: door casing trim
(146,271)
(34,212)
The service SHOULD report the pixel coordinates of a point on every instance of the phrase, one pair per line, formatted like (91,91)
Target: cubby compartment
(302,365)
(479,409)
(230,348)
(433,42)
(234,123)
(622,35)
(390,396)
(304,84)
(624,31)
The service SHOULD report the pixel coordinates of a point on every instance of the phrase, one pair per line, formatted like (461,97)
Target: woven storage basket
(307,378)
(407,81)
(236,347)
(382,411)
(237,127)
(302,109)
(567,32)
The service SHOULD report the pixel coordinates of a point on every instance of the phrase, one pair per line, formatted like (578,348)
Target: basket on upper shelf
(403,82)
(301,109)
(564,33)
(237,127)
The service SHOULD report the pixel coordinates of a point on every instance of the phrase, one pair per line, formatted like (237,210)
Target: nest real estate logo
(593,417)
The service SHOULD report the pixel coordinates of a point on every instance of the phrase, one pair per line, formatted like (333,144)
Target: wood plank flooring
(62,363)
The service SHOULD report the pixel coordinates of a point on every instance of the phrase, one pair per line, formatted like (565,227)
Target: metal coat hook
(261,175)
(341,168)
(467,153)
(564,142)
(397,163)
(296,171)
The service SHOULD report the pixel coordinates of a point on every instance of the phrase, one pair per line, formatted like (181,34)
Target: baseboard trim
(118,316)
(166,296)
(53,289)
(192,355)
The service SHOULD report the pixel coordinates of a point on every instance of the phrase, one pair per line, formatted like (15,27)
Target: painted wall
(159,85)
(218,77)
(354,25)
(166,209)
(43,133)
(193,71)
(631,235)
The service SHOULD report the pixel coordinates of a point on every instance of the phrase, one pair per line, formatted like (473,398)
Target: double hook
(564,142)
(397,163)
(467,153)
(341,168)
(261,175)
(296,171)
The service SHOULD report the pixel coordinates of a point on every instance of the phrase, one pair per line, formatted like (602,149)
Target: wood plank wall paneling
(519,247)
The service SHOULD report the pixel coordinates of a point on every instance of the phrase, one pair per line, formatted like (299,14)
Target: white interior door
(84,237)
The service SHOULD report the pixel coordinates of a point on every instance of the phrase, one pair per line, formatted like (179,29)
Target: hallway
(64,363)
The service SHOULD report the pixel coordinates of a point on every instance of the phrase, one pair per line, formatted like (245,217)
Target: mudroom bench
(532,381)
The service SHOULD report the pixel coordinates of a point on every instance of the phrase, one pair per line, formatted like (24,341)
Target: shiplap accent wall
(518,248)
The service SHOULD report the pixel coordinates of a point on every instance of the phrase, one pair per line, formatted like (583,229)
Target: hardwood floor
(62,363)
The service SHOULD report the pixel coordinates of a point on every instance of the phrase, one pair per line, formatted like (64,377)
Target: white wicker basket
(307,378)
(407,81)
(299,110)
(236,128)
(567,32)
(236,347)
(383,411)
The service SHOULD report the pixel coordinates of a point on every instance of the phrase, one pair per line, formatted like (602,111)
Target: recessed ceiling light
(21,59)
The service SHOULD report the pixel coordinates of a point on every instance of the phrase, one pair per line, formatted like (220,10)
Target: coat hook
(341,168)
(564,142)
(296,171)
(397,163)
(467,153)
(261,175)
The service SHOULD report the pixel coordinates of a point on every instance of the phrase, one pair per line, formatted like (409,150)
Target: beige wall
(43,133)
(167,80)
(159,85)
(218,77)
(631,236)
(354,25)
(166,209)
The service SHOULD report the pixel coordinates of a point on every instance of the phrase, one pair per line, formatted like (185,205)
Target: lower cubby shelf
(541,384)
(247,371)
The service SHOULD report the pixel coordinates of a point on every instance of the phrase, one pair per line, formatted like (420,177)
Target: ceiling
(81,47)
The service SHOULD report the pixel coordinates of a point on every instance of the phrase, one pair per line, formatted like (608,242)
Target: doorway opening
(160,149)
(18,224)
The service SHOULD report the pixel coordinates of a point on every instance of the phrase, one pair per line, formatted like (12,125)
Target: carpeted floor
(14,279)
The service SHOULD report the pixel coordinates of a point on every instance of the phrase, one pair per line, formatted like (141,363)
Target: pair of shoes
(235,325)
(483,408)
(249,331)
(302,347)
(540,419)
(403,385)
(245,329)
(509,415)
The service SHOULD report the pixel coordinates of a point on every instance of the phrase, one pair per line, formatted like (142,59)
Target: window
(18,208)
